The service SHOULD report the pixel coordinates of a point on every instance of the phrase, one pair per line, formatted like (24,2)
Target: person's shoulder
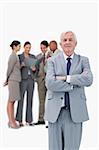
(58,50)
(38,55)
(12,55)
(56,57)
(82,57)
(32,56)
(21,55)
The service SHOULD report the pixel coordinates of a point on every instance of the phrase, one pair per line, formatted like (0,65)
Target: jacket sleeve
(52,83)
(85,78)
(11,62)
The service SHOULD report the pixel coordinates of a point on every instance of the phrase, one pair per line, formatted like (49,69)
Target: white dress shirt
(68,76)
(65,57)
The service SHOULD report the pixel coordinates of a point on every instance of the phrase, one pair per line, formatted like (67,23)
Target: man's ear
(76,44)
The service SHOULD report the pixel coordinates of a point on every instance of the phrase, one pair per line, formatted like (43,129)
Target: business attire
(13,77)
(66,108)
(27,85)
(41,86)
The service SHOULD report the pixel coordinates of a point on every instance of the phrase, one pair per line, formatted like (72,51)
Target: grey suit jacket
(41,72)
(42,66)
(13,70)
(81,76)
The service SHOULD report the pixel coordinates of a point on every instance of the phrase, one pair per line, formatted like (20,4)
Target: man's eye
(70,39)
(65,40)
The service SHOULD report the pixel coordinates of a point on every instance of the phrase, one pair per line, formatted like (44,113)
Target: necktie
(44,59)
(66,103)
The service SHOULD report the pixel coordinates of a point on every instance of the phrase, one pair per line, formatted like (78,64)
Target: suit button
(61,97)
(66,107)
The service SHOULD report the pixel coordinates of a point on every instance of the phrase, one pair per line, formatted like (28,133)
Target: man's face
(43,48)
(68,43)
(53,46)
(27,48)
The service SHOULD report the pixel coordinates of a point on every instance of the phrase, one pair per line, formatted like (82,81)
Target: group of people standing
(64,76)
(21,78)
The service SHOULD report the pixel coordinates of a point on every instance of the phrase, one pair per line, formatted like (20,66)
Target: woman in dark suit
(13,80)
(28,73)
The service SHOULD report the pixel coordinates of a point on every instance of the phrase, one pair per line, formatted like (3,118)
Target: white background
(45,21)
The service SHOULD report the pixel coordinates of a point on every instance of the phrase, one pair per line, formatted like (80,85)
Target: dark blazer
(24,70)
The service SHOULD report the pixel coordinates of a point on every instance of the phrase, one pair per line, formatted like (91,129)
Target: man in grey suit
(66,110)
(41,81)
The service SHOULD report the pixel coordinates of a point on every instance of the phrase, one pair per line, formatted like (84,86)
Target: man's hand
(63,78)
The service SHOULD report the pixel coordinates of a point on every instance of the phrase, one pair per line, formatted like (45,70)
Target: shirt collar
(65,56)
(46,53)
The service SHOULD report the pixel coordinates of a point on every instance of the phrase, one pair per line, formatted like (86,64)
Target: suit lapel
(63,63)
(74,63)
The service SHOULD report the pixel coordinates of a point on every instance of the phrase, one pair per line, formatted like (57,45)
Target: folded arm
(83,79)
(54,84)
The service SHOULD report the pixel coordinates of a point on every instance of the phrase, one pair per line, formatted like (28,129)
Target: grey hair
(64,33)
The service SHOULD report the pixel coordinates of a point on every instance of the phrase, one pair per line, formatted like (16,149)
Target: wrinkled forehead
(67,35)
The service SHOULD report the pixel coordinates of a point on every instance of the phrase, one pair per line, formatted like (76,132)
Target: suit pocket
(49,99)
(50,96)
